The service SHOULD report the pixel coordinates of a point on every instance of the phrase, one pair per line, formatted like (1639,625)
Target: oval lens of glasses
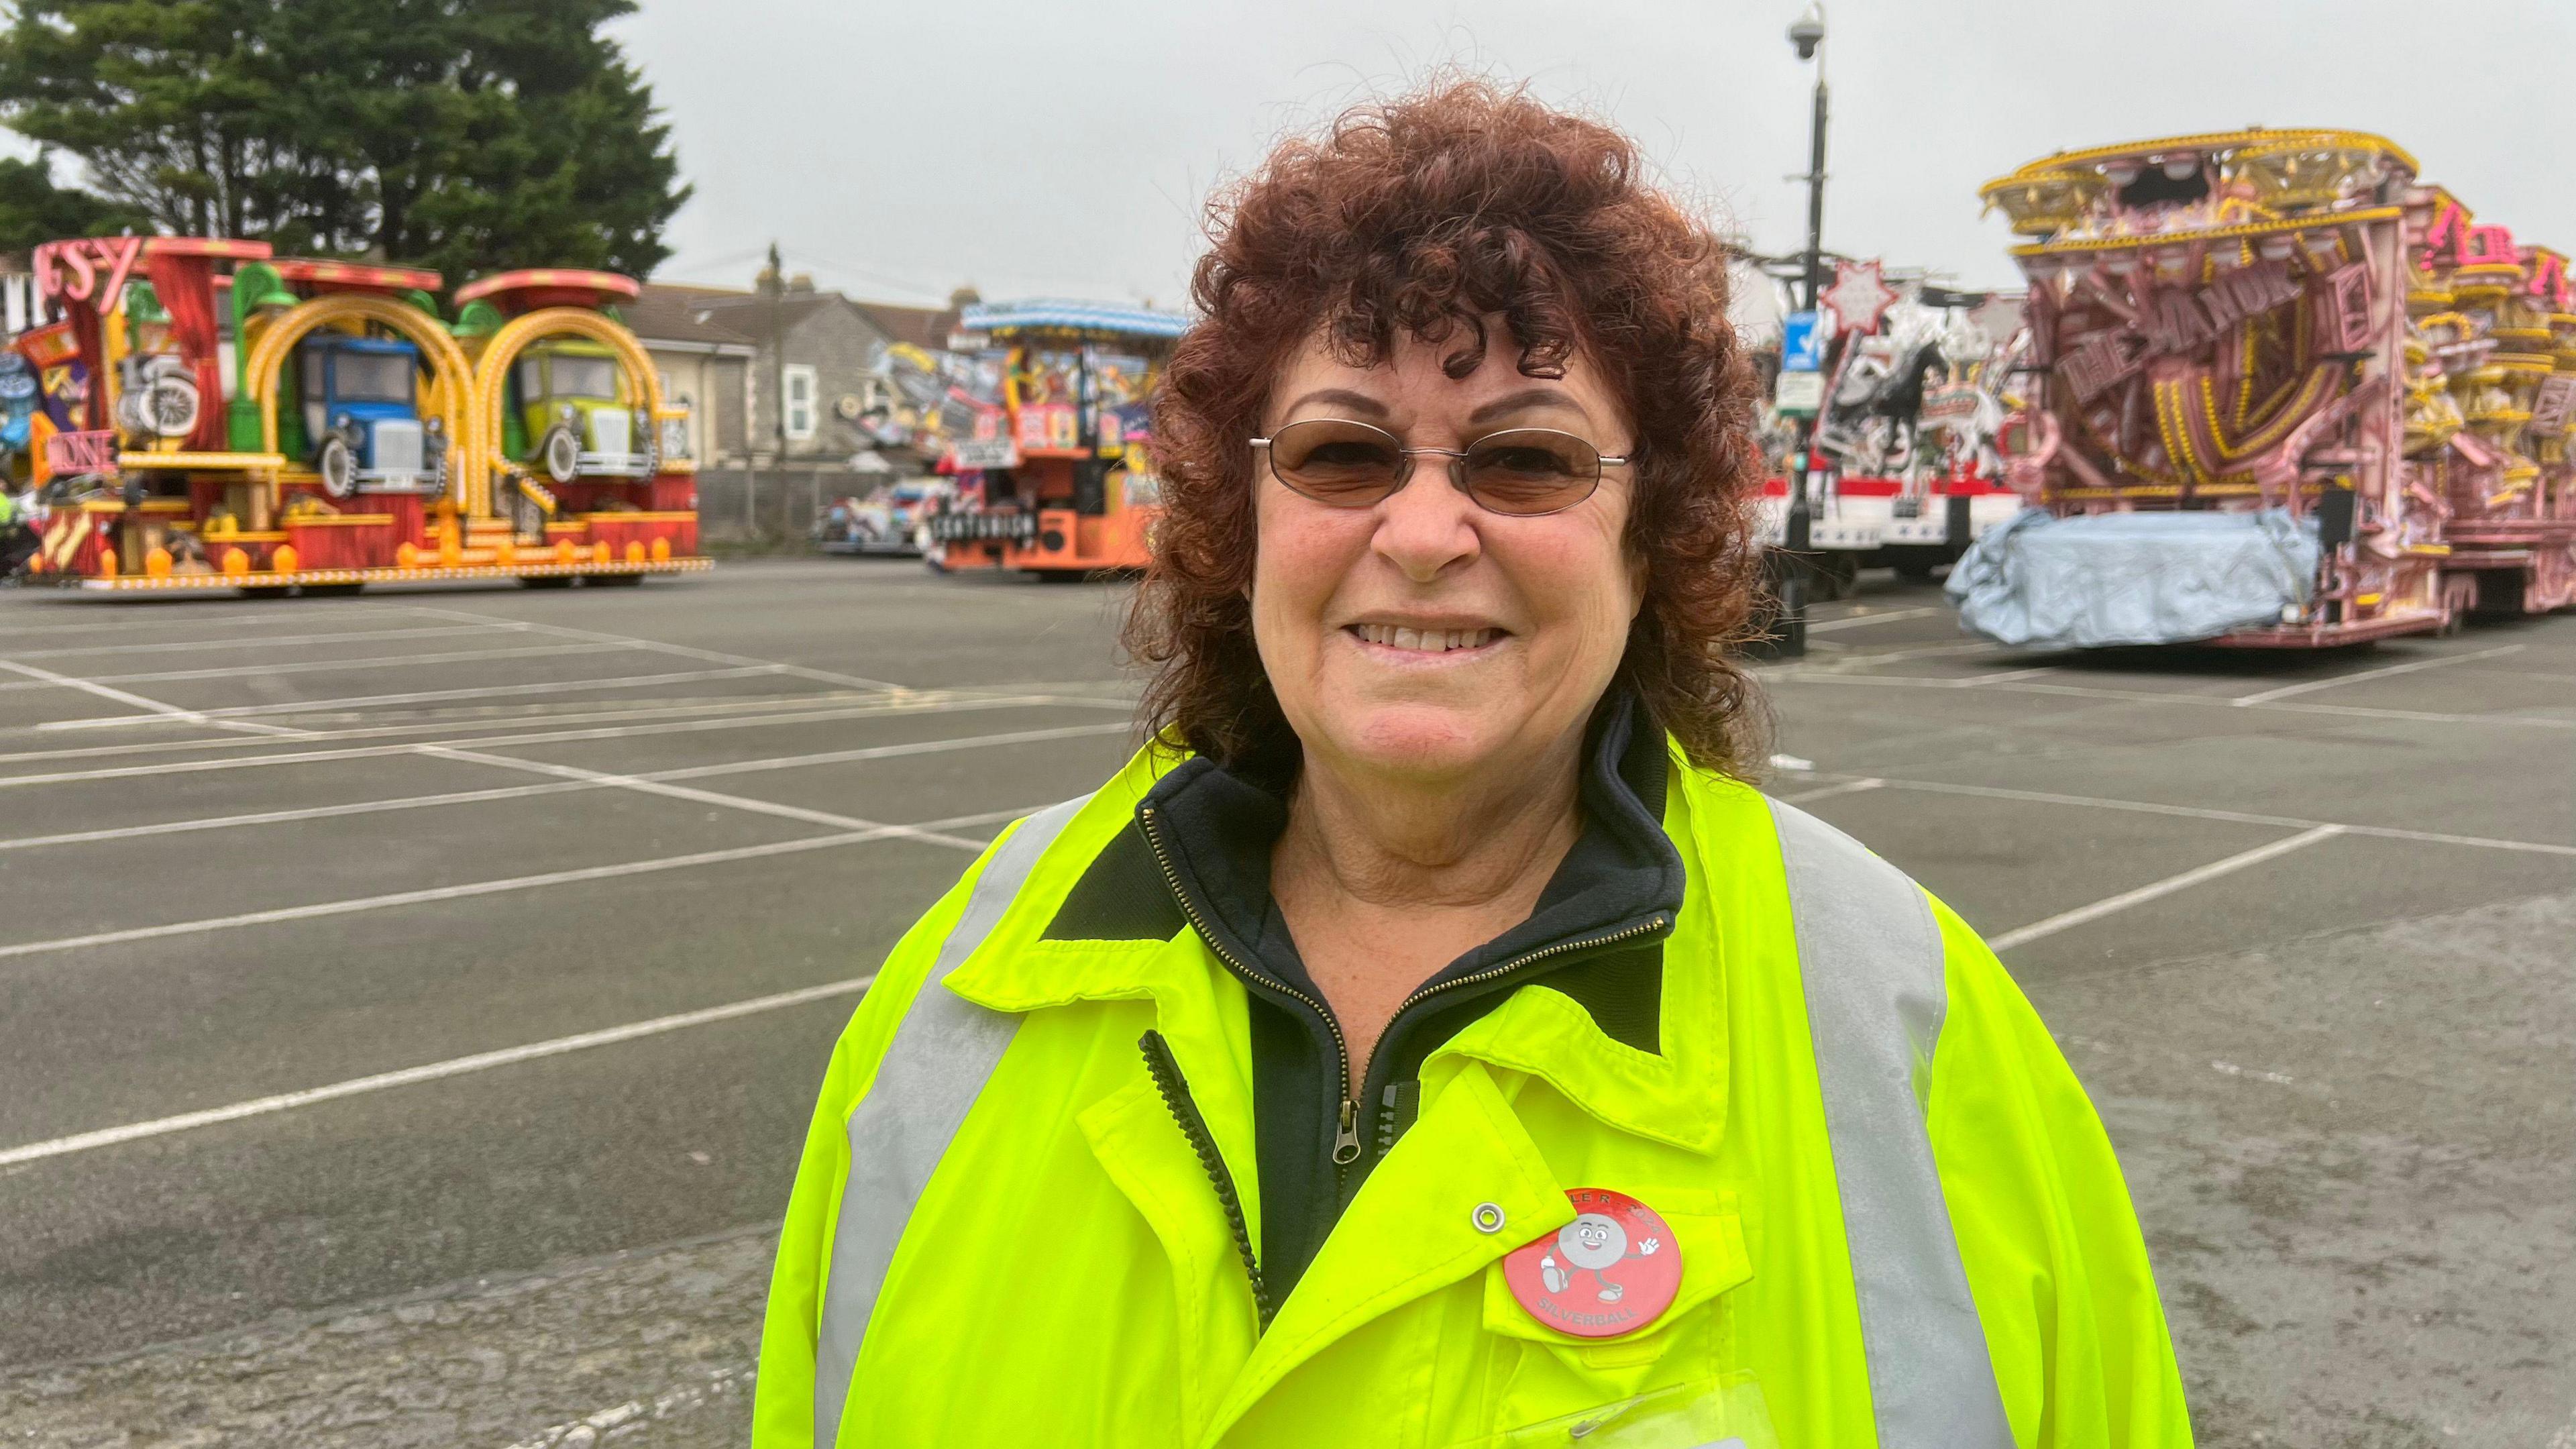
(1532,470)
(1332,461)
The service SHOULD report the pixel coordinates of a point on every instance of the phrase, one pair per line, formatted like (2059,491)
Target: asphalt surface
(595,876)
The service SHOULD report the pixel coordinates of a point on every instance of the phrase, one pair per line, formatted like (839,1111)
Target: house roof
(744,316)
(681,314)
(924,327)
(749,312)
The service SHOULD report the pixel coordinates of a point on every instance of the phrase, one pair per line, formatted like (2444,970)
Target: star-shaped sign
(1859,296)
(1997,318)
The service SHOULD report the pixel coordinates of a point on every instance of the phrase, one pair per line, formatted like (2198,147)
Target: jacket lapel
(1200,1011)
(1411,1231)
(1132,1135)
(1675,1095)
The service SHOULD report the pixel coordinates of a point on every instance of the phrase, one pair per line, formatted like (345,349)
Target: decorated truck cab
(351,427)
(576,424)
(362,417)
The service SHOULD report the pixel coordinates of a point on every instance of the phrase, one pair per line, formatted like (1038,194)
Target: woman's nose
(1427,527)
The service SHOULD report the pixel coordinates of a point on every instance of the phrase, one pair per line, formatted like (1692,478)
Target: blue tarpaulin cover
(2045,582)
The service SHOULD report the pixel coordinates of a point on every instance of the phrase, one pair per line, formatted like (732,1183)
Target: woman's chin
(1414,742)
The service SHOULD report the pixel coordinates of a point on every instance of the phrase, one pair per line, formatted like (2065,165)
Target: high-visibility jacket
(1899,1220)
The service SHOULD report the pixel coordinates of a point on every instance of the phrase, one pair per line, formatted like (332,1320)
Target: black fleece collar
(1596,935)
(1221,824)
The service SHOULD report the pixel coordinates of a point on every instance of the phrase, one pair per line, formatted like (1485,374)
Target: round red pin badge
(1612,1270)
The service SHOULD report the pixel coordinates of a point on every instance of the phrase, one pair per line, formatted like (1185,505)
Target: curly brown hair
(1429,214)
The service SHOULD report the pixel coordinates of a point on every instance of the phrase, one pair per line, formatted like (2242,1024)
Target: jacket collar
(1674,1094)
(1221,823)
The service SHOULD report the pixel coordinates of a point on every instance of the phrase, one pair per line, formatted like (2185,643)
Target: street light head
(1808,32)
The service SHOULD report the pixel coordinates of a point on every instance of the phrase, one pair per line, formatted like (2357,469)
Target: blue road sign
(1802,343)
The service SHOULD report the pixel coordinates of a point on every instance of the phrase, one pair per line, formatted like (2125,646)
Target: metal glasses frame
(1457,468)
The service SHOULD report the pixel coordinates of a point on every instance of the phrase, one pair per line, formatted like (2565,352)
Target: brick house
(830,345)
(824,348)
(705,366)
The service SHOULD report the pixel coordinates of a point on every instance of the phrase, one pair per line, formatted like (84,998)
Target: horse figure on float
(1872,420)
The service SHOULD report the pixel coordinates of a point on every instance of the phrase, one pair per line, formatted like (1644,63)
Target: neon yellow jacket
(1054,1268)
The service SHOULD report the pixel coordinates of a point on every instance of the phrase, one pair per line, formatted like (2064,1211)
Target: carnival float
(206,416)
(1911,393)
(1039,413)
(2281,394)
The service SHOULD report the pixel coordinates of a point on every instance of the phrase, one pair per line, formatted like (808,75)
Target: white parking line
(887,752)
(1913,745)
(878,708)
(681,650)
(2004,676)
(1848,787)
(644,786)
(125,621)
(355,904)
(288,817)
(559,787)
(257,641)
(1859,657)
(2109,905)
(1843,668)
(430,1072)
(1854,621)
(506,1056)
(312,666)
(873,700)
(590,1428)
(193,767)
(155,712)
(2142,696)
(219,717)
(2234,817)
(2287,690)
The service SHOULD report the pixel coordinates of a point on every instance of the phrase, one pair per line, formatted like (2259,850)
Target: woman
(1432,1041)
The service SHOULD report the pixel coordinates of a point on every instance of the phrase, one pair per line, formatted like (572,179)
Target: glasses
(1522,472)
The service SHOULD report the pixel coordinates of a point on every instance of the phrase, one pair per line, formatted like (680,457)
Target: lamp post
(1807,33)
(775,284)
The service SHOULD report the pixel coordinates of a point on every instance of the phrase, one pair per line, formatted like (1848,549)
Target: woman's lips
(1423,641)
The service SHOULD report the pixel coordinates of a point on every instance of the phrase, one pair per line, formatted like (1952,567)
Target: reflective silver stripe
(1870,955)
(932,1072)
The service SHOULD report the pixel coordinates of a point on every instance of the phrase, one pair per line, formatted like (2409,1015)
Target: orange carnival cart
(1052,473)
(215,418)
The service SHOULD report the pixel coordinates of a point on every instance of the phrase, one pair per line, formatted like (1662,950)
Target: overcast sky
(1065,149)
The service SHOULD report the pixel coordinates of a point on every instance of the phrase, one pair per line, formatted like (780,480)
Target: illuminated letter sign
(82,260)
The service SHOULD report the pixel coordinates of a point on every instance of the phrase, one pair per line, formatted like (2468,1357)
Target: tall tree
(33,209)
(467,135)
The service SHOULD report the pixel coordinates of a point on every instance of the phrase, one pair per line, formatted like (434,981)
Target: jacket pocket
(1720,1413)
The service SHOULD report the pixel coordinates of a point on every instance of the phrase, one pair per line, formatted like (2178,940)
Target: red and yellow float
(218,418)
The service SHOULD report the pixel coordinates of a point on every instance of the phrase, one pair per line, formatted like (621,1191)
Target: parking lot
(410,1005)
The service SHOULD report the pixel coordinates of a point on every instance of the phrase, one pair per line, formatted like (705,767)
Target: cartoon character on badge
(1592,1244)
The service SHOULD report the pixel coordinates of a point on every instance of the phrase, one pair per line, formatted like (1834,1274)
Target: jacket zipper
(1646,927)
(1166,1072)
(1369,1084)
(1346,1134)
